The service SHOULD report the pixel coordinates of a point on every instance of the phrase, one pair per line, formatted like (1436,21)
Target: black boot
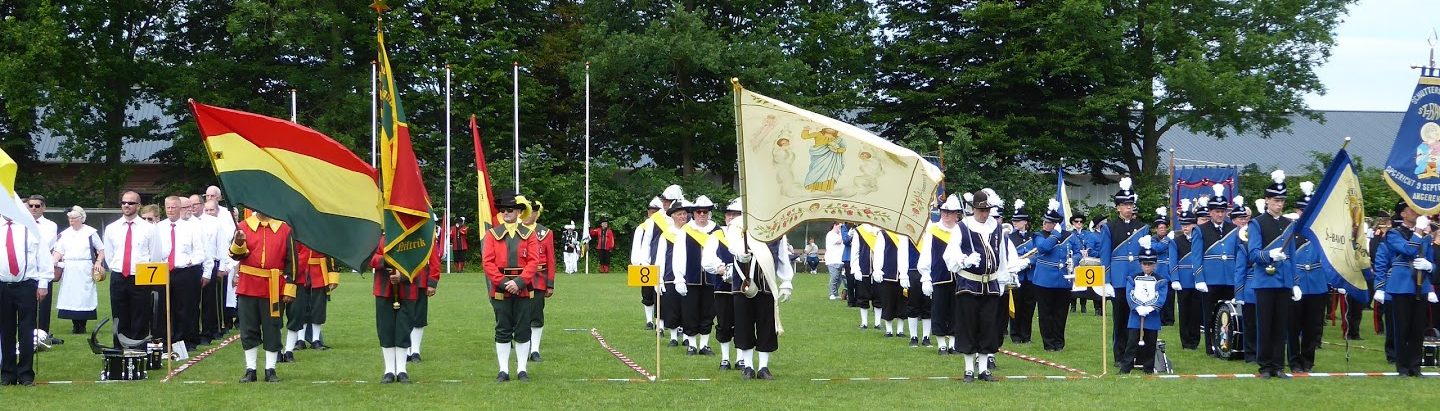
(270,375)
(249,375)
(387,378)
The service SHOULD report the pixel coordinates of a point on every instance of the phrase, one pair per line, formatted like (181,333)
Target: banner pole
(515,75)
(586,227)
(374,111)
(448,250)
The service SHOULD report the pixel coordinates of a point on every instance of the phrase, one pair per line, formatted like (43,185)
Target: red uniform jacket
(546,270)
(432,277)
(312,269)
(500,254)
(265,254)
(604,238)
(409,290)
(461,237)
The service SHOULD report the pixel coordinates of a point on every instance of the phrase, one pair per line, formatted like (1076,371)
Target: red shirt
(409,290)
(604,238)
(498,253)
(311,268)
(546,271)
(266,248)
(461,237)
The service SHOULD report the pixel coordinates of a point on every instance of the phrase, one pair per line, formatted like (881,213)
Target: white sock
(704,340)
(764,360)
(674,335)
(522,359)
(535,333)
(250,355)
(877,316)
(950,341)
(270,357)
(925,327)
(649,313)
(969,363)
(724,351)
(749,357)
(399,356)
(864,318)
(416,334)
(502,352)
(889,327)
(984,361)
(316,329)
(290,338)
(913,323)
(389,355)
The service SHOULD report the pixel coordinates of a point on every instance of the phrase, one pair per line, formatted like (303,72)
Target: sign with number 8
(643,276)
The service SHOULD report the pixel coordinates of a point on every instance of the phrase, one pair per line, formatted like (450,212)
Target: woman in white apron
(78,248)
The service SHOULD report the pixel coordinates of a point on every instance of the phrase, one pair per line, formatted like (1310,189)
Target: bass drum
(1227,330)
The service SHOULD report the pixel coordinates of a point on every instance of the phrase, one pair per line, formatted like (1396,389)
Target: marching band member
(1186,256)
(642,252)
(982,255)
(1272,279)
(1056,250)
(1215,277)
(1409,279)
(395,296)
(1146,292)
(1024,293)
(1309,320)
(262,248)
(1163,243)
(863,241)
(889,260)
(718,263)
(511,265)
(698,301)
(672,265)
(314,279)
(545,272)
(936,279)
(1243,276)
(1119,252)
(420,315)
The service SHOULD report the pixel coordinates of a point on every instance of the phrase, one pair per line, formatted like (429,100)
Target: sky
(1376,43)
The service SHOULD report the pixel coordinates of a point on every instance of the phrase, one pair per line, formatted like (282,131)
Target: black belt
(26,282)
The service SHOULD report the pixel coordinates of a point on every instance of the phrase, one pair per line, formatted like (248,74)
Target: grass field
(822,342)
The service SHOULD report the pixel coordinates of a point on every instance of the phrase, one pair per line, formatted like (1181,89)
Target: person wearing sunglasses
(48,230)
(129,241)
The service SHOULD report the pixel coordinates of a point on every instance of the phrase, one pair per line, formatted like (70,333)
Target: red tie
(125,262)
(171,260)
(10,249)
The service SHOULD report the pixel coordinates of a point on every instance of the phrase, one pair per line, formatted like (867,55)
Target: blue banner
(1413,168)
(1195,181)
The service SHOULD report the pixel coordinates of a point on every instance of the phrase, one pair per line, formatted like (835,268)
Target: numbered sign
(643,276)
(1090,276)
(152,274)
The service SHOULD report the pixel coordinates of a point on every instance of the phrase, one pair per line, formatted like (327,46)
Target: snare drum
(1430,348)
(123,365)
(155,355)
(1227,330)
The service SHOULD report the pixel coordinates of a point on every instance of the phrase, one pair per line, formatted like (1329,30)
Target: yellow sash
(866,236)
(700,237)
(273,276)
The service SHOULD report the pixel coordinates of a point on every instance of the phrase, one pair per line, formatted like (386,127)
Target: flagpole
(374,111)
(586,228)
(515,75)
(448,226)
(293,104)
(942,175)
(1172,202)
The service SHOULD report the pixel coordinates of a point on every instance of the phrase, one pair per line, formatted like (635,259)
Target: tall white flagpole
(374,112)
(585,229)
(448,225)
(515,73)
(293,105)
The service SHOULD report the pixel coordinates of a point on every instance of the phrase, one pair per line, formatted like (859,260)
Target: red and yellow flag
(409,228)
(298,175)
(488,218)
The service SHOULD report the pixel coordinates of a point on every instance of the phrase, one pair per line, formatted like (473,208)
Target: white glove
(1340,290)
(1295,293)
(681,288)
(972,260)
(1023,262)
(1144,310)
(1109,291)
(927,288)
(1200,286)
(1069,277)
(1175,285)
(660,289)
(725,273)
(877,278)
(1277,255)
(1422,264)
(744,258)
(857,276)
(1380,295)
(785,291)
(1422,223)
(1432,298)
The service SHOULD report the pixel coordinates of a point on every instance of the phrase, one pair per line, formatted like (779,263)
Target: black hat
(1125,195)
(1276,190)
(1395,212)
(1218,201)
(1148,256)
(1186,215)
(505,200)
(1052,212)
(1019,214)
(985,198)
(678,206)
(1307,190)
(1240,210)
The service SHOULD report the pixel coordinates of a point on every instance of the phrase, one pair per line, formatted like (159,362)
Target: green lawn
(822,342)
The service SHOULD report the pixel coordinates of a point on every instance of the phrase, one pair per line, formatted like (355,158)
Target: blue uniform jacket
(1120,258)
(1027,274)
(1312,276)
(1259,254)
(1162,290)
(1218,265)
(1401,279)
(1185,266)
(1053,261)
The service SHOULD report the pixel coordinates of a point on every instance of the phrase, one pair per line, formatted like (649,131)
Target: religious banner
(1413,168)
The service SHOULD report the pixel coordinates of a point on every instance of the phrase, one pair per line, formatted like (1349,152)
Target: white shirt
(142,243)
(221,234)
(710,256)
(902,257)
(640,244)
(188,242)
(78,245)
(48,232)
(677,256)
(834,248)
(925,266)
(27,251)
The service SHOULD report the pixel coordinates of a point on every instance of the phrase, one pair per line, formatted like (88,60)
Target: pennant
(409,229)
(485,192)
(1335,221)
(10,205)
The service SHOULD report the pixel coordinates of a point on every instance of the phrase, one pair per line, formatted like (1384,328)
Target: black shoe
(739,365)
(412,358)
(925,342)
(1266,376)
(690,350)
(270,375)
(674,343)
(764,374)
(1281,375)
(888,335)
(914,342)
(387,378)
(206,341)
(319,345)
(288,356)
(31,383)
(404,378)
(249,375)
(943,351)
(986,376)
(900,334)
(650,326)
(951,350)
(523,376)
(992,363)
(502,377)
(535,356)
(300,345)
(706,351)
(747,373)
(725,364)
(969,376)
(863,326)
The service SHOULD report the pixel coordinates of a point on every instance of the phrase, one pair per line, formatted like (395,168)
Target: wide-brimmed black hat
(505,200)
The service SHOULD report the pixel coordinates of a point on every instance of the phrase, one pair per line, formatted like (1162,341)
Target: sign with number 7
(152,274)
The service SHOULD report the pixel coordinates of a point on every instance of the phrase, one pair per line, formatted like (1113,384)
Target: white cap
(734,206)
(952,203)
(655,203)
(570,226)
(673,192)
(702,202)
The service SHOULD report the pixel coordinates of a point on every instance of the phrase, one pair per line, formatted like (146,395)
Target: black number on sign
(1089,276)
(152,274)
(644,275)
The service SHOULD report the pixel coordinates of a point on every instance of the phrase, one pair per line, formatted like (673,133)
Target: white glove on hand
(1422,223)
(972,260)
(1109,291)
(927,288)
(1144,310)
(725,273)
(1175,285)
(1068,277)
(1295,293)
(1201,287)
(1422,264)
(785,292)
(744,258)
(681,288)
(1277,255)
(1380,295)
(1023,262)
(1340,290)
(1432,298)
(660,289)
(857,276)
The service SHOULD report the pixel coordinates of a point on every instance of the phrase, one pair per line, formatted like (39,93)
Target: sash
(700,237)
(867,236)
(271,275)
(1222,240)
